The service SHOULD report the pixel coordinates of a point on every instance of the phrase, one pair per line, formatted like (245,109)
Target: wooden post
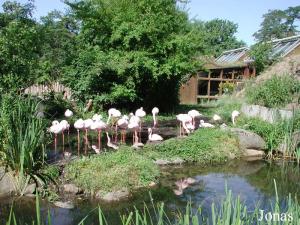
(208,85)
(221,76)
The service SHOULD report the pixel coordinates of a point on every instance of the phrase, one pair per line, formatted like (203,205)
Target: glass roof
(231,56)
(282,47)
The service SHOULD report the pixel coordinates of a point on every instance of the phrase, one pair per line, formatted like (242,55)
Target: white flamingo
(79,125)
(205,125)
(98,125)
(68,113)
(140,113)
(109,144)
(87,125)
(155,111)
(185,121)
(234,114)
(216,117)
(133,124)
(65,126)
(113,114)
(194,114)
(153,137)
(123,125)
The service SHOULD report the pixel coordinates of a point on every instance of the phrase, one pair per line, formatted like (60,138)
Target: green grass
(204,146)
(113,171)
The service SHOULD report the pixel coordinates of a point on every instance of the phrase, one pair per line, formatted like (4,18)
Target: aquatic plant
(112,171)
(229,211)
(22,140)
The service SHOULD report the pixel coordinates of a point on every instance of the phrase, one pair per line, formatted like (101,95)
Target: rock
(270,115)
(152,184)
(162,162)
(114,196)
(248,139)
(64,205)
(72,188)
(30,189)
(252,153)
(231,156)
(6,183)
(295,141)
(178,161)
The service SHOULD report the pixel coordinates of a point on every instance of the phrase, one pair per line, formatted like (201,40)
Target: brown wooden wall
(188,92)
(296,51)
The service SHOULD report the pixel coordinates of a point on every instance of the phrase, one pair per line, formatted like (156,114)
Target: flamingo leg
(116,137)
(63,141)
(140,133)
(99,139)
(78,142)
(55,142)
(86,141)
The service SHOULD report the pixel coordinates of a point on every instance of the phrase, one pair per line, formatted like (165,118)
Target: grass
(113,171)
(205,146)
(229,211)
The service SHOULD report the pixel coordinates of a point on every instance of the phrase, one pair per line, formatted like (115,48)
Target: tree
(131,52)
(19,46)
(216,36)
(278,24)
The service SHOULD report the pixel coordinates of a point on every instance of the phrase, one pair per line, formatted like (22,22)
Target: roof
(232,56)
(282,47)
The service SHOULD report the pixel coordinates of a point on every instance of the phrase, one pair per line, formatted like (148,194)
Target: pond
(252,181)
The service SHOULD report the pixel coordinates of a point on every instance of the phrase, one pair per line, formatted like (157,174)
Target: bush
(275,92)
(204,146)
(113,171)
(227,87)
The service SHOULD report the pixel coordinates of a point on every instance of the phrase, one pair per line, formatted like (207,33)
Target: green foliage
(113,171)
(227,87)
(215,36)
(204,146)
(275,92)
(279,24)
(260,52)
(22,140)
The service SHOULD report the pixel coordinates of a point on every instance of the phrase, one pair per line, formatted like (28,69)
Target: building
(231,66)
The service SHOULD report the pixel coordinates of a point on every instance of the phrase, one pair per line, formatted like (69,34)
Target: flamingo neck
(154,119)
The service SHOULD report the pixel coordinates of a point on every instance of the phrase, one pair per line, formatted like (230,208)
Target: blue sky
(247,14)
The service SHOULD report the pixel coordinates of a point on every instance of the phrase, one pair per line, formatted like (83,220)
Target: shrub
(204,146)
(113,171)
(22,139)
(275,92)
(227,87)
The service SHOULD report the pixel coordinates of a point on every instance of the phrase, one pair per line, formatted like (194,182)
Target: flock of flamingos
(119,123)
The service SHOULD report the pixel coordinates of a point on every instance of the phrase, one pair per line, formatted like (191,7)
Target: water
(252,181)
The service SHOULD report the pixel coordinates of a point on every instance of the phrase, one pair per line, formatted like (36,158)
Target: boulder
(6,183)
(162,162)
(72,188)
(30,189)
(248,139)
(64,205)
(177,161)
(114,195)
(295,142)
(253,153)
(270,115)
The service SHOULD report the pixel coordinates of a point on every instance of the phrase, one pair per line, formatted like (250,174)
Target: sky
(247,14)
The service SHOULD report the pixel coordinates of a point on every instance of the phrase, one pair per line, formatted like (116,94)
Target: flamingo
(234,114)
(79,124)
(216,117)
(96,117)
(56,128)
(153,137)
(140,113)
(155,111)
(68,113)
(181,185)
(123,124)
(205,125)
(109,144)
(114,114)
(97,150)
(133,124)
(184,119)
(65,126)
(194,113)
(98,125)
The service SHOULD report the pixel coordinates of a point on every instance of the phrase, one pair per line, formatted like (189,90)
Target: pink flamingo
(185,123)
(56,128)
(123,124)
(194,113)
(114,114)
(140,113)
(133,124)
(79,124)
(98,125)
(68,114)
(153,137)
(109,144)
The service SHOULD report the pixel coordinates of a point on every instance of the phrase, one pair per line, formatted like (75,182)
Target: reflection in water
(252,181)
